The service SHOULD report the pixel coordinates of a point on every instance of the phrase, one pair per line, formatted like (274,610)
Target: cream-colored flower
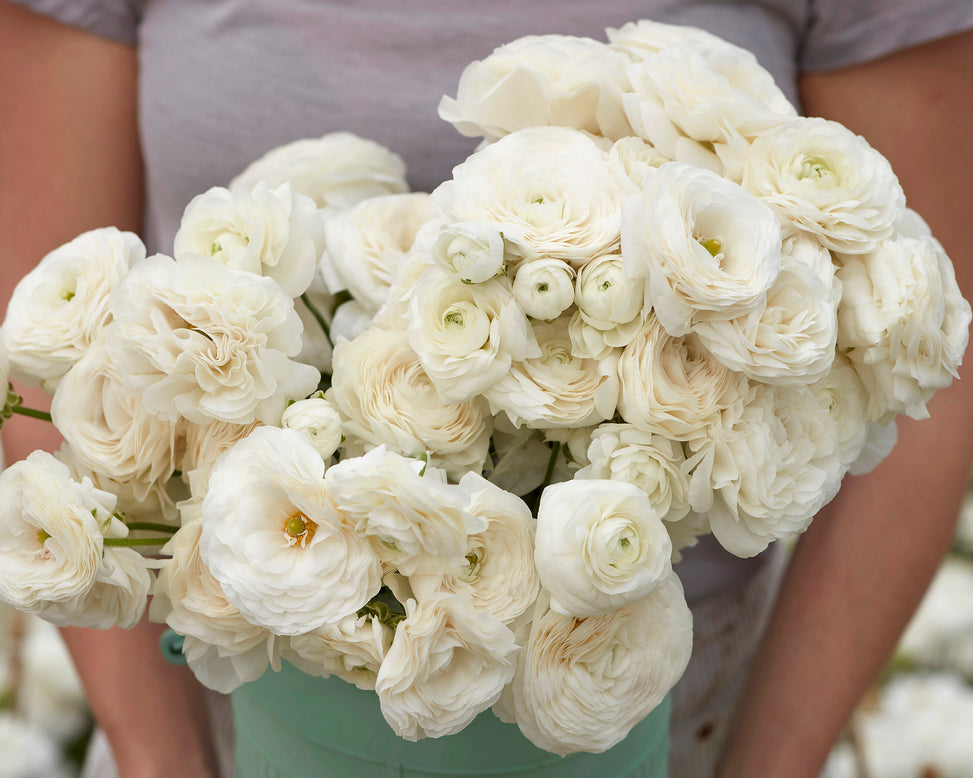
(352,649)
(600,545)
(336,170)
(51,544)
(539,80)
(223,649)
(414,520)
(765,469)
(367,243)
(556,389)
(473,252)
(843,395)
(284,554)
(610,311)
(61,306)
(656,465)
(466,335)
(582,684)
(645,38)
(903,323)
(544,287)
(498,573)
(790,338)
(702,244)
(549,190)
(121,591)
(108,428)
(205,443)
(632,159)
(199,340)
(673,387)
(826,180)
(318,422)
(385,396)
(447,663)
(271,232)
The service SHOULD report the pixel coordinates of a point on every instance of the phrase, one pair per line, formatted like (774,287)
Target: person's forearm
(162,729)
(863,565)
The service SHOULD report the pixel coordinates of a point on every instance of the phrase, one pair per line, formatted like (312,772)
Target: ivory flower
(544,288)
(367,243)
(582,684)
(385,396)
(828,181)
(317,421)
(271,232)
(547,189)
(412,517)
(601,545)
(336,170)
(447,663)
(272,536)
(703,244)
(199,340)
(541,80)
(61,306)
(352,649)
(473,252)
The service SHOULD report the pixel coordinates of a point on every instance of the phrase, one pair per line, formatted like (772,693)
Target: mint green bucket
(292,725)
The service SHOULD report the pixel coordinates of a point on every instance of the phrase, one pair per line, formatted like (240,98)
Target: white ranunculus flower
(541,80)
(318,421)
(61,306)
(385,396)
(903,323)
(549,190)
(673,387)
(108,428)
(206,443)
(708,92)
(828,181)
(790,338)
(51,544)
(807,249)
(702,243)
(601,545)
(284,554)
(843,395)
(656,465)
(466,335)
(473,252)
(350,320)
(879,443)
(414,520)
(352,649)
(609,307)
(498,573)
(271,232)
(644,38)
(121,590)
(556,389)
(582,684)
(367,243)
(336,170)
(765,469)
(448,662)
(632,159)
(544,287)
(223,649)
(199,340)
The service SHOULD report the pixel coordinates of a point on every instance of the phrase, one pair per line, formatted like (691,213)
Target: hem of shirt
(879,36)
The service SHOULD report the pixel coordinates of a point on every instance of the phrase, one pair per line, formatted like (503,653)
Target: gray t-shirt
(223,81)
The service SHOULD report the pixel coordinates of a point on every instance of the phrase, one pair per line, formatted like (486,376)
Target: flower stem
(318,317)
(32,412)
(548,475)
(134,541)
(151,526)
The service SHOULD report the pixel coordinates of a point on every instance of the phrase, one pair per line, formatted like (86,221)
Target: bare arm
(69,162)
(861,569)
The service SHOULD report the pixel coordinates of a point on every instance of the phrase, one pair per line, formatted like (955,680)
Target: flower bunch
(447,446)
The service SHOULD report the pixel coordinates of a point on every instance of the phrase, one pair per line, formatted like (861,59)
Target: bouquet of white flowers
(446,446)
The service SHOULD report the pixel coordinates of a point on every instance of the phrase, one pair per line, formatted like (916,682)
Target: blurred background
(915,722)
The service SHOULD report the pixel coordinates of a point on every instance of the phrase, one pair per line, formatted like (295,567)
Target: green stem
(548,475)
(32,412)
(134,541)
(317,316)
(150,526)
